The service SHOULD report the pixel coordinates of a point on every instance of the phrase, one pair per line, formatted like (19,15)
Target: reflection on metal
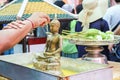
(71,14)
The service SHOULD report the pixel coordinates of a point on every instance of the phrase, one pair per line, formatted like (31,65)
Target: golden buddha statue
(50,59)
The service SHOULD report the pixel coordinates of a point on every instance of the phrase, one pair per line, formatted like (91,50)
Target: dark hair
(59,3)
(78,8)
(117,1)
(9,0)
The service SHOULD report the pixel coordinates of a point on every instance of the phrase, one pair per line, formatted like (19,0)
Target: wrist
(33,25)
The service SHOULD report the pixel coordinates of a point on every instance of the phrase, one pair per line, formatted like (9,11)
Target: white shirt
(51,1)
(112,16)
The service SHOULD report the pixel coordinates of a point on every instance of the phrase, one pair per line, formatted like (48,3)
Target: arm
(117,30)
(16,31)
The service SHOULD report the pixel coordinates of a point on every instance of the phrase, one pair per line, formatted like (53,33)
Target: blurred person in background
(78,9)
(112,16)
(112,2)
(69,49)
(79,6)
(4,2)
(74,4)
(51,1)
(59,3)
(91,16)
(67,7)
(115,48)
(117,30)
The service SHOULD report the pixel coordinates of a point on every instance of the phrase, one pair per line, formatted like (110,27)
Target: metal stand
(95,55)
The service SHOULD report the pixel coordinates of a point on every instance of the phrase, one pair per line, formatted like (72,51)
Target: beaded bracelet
(33,26)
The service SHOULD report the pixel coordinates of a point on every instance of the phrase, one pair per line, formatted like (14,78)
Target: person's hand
(110,47)
(39,19)
(14,25)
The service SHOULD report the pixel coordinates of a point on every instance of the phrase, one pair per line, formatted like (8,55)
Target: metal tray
(100,43)
(16,67)
(94,42)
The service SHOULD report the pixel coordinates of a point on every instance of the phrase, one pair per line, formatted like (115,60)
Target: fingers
(7,27)
(11,26)
(14,25)
(43,15)
(47,17)
(110,47)
(43,22)
(39,19)
(18,24)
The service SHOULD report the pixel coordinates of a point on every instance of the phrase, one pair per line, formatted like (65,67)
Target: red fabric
(35,40)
